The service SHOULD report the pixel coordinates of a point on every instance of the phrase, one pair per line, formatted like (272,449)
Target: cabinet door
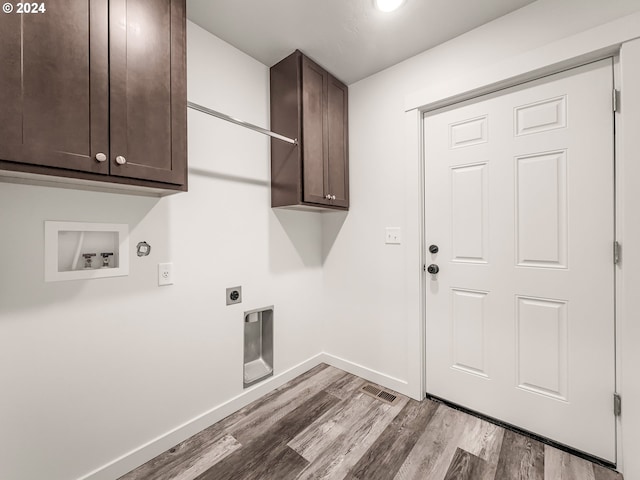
(314,139)
(54,96)
(338,143)
(148,89)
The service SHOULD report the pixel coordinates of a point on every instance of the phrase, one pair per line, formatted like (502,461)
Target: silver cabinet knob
(120,160)
(328,196)
(101,157)
(333,197)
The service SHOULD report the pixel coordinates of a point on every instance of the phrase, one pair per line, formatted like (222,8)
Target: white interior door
(520,202)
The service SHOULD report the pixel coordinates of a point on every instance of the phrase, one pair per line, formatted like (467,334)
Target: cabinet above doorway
(311,105)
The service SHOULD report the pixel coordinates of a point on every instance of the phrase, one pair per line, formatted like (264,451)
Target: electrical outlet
(392,236)
(165,274)
(234,295)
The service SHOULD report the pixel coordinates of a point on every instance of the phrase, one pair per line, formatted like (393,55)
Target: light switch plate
(165,274)
(393,236)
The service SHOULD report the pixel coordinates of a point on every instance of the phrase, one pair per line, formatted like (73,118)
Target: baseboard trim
(400,386)
(127,462)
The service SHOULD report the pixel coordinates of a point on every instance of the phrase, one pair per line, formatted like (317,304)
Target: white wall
(91,370)
(372,289)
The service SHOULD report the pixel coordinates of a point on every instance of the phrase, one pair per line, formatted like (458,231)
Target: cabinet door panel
(54,95)
(314,151)
(10,83)
(338,164)
(148,96)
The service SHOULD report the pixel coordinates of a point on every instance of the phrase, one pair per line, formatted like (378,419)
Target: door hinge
(617,404)
(616,252)
(424,267)
(616,100)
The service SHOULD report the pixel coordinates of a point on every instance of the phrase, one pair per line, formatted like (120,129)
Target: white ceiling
(350,38)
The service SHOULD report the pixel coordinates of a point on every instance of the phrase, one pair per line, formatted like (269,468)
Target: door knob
(333,197)
(101,157)
(328,196)
(120,160)
(433,249)
(433,269)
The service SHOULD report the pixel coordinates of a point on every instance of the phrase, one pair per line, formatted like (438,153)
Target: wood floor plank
(483,439)
(186,467)
(219,450)
(385,457)
(432,454)
(345,386)
(564,466)
(283,464)
(268,448)
(268,413)
(346,416)
(336,446)
(465,466)
(602,473)
(521,458)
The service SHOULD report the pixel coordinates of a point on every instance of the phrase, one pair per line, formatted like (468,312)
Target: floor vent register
(376,392)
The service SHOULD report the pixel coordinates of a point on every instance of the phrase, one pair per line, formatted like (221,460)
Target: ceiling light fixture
(388,5)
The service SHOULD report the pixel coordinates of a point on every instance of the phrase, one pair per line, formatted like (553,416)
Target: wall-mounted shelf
(79,250)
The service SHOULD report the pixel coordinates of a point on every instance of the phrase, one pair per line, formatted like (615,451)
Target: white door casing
(519,199)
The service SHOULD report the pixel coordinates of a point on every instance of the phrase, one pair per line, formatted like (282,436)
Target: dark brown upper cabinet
(148,89)
(311,105)
(95,90)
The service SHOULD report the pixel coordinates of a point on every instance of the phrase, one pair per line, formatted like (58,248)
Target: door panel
(314,127)
(338,144)
(54,95)
(541,346)
(468,331)
(519,199)
(541,210)
(469,213)
(146,39)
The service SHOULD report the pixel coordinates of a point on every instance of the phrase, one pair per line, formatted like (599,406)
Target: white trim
(415,259)
(619,216)
(400,386)
(138,456)
(584,47)
(627,271)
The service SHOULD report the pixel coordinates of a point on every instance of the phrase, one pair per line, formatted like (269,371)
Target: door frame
(416,118)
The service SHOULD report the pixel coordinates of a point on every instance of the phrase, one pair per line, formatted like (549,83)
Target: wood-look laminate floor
(320,426)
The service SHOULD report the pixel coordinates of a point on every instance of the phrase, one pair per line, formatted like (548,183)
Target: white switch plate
(165,274)
(392,236)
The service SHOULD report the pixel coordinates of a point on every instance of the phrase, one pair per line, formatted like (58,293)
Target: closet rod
(242,123)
